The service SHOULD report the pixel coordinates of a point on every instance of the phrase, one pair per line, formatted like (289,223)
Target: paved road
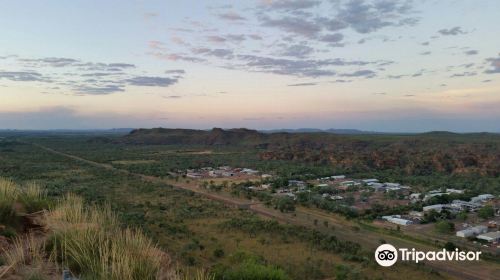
(342,228)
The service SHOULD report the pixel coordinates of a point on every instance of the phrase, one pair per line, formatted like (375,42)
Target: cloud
(156,45)
(255,36)
(175,71)
(464,74)
(149,15)
(176,57)
(73,118)
(332,38)
(216,39)
(341,81)
(290,5)
(220,53)
(494,65)
(299,51)
(360,73)
(231,16)
(367,17)
(302,84)
(235,37)
(22,76)
(295,25)
(151,81)
(98,90)
(471,52)
(172,97)
(51,61)
(457,30)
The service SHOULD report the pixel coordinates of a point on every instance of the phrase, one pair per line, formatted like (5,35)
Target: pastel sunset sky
(388,65)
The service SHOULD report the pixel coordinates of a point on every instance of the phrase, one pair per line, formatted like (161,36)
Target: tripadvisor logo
(387,255)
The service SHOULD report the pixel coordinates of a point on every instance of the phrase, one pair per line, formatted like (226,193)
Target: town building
(396,219)
(492,237)
(472,231)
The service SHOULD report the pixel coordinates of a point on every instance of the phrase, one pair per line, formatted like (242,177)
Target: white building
(454,191)
(464,205)
(337,177)
(193,175)
(396,219)
(482,198)
(435,207)
(490,236)
(367,181)
(415,196)
(473,231)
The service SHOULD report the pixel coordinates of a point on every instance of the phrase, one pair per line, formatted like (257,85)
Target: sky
(378,65)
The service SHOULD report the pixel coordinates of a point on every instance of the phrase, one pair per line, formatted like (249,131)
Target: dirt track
(346,230)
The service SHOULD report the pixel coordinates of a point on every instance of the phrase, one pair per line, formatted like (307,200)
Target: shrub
(444,227)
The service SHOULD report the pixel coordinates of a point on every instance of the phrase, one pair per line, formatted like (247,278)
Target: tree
(449,246)
(285,204)
(462,215)
(486,212)
(445,227)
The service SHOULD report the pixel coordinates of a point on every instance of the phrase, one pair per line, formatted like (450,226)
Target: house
(482,198)
(265,186)
(415,196)
(336,197)
(464,205)
(492,237)
(376,186)
(454,191)
(227,174)
(396,219)
(266,176)
(193,175)
(416,214)
(433,194)
(472,231)
(249,171)
(322,185)
(296,183)
(215,173)
(391,185)
(435,207)
(337,177)
(368,181)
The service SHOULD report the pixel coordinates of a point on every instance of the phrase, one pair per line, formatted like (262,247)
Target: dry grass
(8,196)
(89,241)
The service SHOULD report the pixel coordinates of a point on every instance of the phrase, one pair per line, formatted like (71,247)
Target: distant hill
(415,154)
(216,136)
(316,130)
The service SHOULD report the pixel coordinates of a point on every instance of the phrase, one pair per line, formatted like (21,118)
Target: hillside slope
(416,154)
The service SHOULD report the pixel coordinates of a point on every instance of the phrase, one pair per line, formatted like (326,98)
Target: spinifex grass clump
(89,241)
(34,198)
(8,196)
